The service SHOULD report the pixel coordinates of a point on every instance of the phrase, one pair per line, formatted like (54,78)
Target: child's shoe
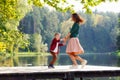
(51,66)
(83,63)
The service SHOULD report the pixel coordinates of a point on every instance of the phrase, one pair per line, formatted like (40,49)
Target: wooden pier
(61,72)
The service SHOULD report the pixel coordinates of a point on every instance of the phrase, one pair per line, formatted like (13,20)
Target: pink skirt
(74,46)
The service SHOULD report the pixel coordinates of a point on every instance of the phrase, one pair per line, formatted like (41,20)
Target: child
(54,49)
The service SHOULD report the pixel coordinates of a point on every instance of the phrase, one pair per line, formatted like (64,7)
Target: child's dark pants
(54,58)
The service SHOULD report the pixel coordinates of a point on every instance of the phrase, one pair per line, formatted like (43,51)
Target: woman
(74,48)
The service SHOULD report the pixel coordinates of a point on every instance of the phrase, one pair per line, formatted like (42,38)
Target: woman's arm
(66,37)
(75,27)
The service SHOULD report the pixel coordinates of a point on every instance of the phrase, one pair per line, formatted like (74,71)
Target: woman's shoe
(74,67)
(83,63)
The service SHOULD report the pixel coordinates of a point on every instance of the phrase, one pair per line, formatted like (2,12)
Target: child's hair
(78,18)
(57,34)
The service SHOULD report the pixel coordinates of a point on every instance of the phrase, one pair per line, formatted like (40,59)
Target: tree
(98,33)
(36,43)
(11,12)
(118,38)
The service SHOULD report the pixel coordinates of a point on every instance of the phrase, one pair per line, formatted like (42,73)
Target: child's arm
(63,43)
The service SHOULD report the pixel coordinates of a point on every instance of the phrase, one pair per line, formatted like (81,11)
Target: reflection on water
(104,59)
(63,59)
(33,61)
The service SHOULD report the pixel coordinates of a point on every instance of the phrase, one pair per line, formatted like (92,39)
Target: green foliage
(118,38)
(102,35)
(39,27)
(13,40)
(46,24)
(88,4)
(11,12)
(2,47)
(36,44)
(64,5)
(98,34)
(60,5)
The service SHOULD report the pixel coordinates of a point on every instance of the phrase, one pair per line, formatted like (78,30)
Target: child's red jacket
(54,45)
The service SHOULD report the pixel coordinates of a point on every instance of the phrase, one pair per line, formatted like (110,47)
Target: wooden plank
(42,72)
(44,69)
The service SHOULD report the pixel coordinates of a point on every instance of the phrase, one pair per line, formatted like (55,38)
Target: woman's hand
(64,40)
(68,36)
(64,43)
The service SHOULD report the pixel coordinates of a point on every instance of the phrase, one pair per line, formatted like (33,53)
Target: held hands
(64,43)
(65,39)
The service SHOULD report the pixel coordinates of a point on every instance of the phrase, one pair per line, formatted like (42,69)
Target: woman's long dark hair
(78,19)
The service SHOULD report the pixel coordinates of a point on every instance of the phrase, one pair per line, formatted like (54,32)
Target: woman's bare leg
(73,59)
(79,58)
(83,61)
